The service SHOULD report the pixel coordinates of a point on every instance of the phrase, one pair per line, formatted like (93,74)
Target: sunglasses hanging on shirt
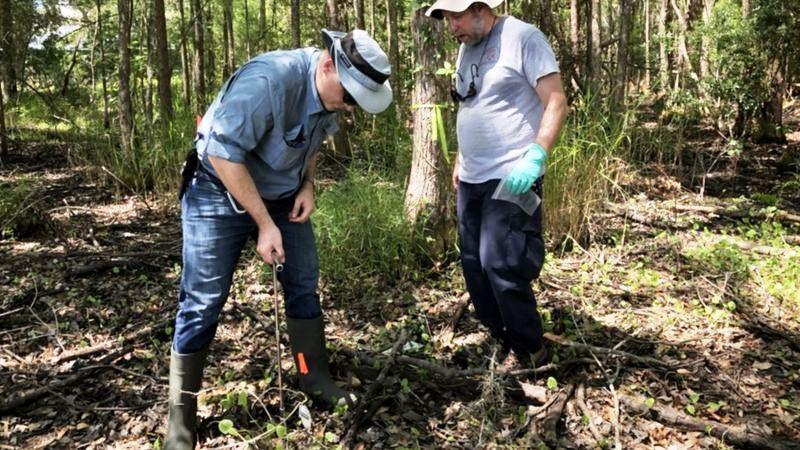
(471,91)
(473,69)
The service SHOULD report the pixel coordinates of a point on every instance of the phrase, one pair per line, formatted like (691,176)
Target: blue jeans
(502,251)
(214,235)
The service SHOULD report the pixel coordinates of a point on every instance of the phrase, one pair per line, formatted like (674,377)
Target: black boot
(185,379)
(307,337)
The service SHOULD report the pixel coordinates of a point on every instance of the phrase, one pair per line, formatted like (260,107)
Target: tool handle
(278,267)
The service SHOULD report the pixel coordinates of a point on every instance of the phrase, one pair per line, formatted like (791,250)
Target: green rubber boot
(185,379)
(307,337)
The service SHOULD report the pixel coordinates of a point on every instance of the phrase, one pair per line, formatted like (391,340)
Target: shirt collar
(312,102)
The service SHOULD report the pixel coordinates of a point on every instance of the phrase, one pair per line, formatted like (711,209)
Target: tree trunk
(247,30)
(771,117)
(103,76)
(708,9)
(199,69)
(372,17)
(164,65)
(262,25)
(186,78)
(332,14)
(647,45)
(227,38)
(596,50)
(620,84)
(428,185)
(683,29)
(125,104)
(358,5)
(3,134)
(574,28)
(147,38)
(341,140)
(7,77)
(663,56)
(394,48)
(295,13)
(73,61)
(209,44)
(745,8)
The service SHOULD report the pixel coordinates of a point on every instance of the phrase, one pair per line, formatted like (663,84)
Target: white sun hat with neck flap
(362,66)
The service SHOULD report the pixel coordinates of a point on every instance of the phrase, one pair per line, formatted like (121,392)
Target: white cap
(456,6)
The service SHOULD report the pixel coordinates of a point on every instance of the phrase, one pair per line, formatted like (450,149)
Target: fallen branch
(101,266)
(107,345)
(641,359)
(553,415)
(738,436)
(763,326)
(376,386)
(29,396)
(459,375)
(579,399)
(738,213)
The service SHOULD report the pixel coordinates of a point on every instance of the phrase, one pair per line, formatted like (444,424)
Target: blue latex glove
(527,170)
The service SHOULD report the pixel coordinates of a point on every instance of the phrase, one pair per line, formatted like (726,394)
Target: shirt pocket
(285,149)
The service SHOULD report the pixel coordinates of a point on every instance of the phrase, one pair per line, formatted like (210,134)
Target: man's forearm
(240,184)
(311,170)
(555,114)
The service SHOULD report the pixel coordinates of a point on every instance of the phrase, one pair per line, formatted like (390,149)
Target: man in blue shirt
(257,147)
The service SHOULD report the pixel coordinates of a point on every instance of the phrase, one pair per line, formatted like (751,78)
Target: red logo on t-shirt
(491,54)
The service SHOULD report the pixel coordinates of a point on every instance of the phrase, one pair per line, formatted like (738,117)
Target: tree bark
(3,134)
(428,186)
(103,76)
(164,65)
(771,116)
(663,56)
(8,76)
(73,61)
(209,44)
(199,69)
(596,49)
(125,104)
(394,48)
(646,45)
(574,28)
(358,6)
(745,8)
(247,30)
(262,25)
(683,50)
(621,81)
(295,13)
(147,37)
(186,75)
(708,9)
(372,17)
(340,140)
(227,38)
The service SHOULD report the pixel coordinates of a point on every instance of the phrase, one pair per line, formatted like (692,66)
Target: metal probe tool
(277,267)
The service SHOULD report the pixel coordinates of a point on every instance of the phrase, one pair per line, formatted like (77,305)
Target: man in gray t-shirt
(511,110)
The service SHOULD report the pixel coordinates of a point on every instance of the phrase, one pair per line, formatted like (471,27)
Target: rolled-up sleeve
(242,118)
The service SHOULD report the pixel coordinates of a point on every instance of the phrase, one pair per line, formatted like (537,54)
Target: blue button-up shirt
(269,117)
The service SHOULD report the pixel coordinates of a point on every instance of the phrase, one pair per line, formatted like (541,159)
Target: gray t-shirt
(497,125)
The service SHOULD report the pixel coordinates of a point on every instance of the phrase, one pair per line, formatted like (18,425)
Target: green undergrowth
(363,234)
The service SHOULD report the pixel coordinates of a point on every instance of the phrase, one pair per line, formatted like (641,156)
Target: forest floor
(678,328)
